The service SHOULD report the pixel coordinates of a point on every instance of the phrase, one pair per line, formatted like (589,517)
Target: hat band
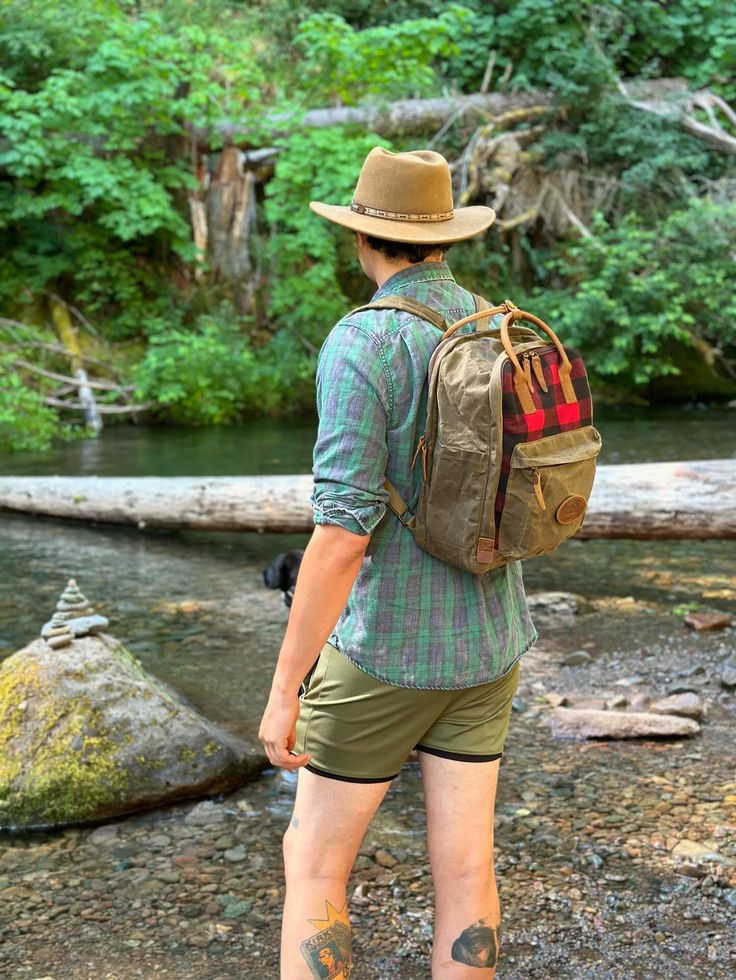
(400,215)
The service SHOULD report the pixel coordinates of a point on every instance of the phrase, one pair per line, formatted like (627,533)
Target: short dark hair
(413,252)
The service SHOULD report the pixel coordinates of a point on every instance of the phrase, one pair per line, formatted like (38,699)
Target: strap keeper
(407,518)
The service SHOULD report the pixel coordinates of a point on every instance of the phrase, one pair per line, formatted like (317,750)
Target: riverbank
(616,859)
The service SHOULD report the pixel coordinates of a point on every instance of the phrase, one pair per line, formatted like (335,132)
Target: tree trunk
(68,336)
(639,500)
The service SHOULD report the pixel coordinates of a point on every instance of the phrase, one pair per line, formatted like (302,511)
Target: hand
(277,733)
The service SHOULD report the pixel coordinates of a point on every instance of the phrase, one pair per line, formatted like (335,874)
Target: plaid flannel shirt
(411,620)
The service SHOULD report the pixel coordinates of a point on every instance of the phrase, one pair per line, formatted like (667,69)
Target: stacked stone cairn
(73,616)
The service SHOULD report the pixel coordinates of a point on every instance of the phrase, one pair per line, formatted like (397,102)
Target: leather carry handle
(521,383)
(490,311)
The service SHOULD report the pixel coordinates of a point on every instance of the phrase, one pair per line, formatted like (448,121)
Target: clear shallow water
(192,606)
(274,446)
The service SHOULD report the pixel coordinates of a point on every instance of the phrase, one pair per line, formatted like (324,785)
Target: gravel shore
(615,859)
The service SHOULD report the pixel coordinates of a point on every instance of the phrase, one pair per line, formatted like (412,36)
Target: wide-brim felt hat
(407,197)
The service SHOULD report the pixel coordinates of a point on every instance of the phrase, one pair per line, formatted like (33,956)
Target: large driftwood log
(636,500)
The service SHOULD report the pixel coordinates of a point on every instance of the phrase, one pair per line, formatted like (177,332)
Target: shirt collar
(423,272)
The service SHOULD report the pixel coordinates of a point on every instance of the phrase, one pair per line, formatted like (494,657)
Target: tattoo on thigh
(477,945)
(295,823)
(328,951)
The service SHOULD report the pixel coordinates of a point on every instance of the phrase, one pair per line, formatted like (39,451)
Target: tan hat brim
(465,223)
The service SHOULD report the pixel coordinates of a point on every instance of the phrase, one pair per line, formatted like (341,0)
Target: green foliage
(212,374)
(99,98)
(344,65)
(206,375)
(25,422)
(321,165)
(96,170)
(635,293)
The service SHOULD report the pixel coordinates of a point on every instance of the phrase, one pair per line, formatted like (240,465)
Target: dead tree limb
(75,382)
(686,500)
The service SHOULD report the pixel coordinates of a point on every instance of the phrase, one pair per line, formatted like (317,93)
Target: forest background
(157,158)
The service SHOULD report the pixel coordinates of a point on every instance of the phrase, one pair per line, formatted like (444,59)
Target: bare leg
(460,799)
(320,846)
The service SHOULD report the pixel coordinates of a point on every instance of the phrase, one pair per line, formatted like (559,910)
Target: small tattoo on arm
(477,945)
(328,951)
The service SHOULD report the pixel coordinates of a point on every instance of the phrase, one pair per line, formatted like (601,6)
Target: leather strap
(398,505)
(483,325)
(396,502)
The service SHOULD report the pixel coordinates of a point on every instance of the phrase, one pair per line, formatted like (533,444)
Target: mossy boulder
(87,734)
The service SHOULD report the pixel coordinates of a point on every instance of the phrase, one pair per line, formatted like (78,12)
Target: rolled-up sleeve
(354,405)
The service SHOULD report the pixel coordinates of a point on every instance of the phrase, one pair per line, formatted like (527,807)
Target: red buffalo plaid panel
(553,414)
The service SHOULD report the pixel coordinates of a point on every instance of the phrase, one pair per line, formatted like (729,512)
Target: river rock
(86,734)
(701,621)
(556,603)
(687,704)
(576,659)
(693,850)
(589,723)
(728,672)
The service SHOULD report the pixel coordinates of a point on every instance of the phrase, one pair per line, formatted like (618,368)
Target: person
(387,648)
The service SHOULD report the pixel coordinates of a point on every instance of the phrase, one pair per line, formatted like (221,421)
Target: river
(192,605)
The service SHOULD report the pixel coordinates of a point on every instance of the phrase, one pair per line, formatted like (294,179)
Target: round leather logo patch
(571,510)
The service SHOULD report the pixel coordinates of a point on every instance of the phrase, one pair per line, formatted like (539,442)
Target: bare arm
(328,570)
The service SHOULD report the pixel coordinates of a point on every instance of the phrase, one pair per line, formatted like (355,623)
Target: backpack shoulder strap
(396,502)
(484,324)
(407,305)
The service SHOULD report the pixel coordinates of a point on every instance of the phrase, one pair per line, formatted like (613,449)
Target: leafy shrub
(306,298)
(345,65)
(25,422)
(635,293)
(95,171)
(203,376)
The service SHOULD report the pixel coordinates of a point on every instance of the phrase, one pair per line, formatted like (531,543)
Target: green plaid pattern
(411,620)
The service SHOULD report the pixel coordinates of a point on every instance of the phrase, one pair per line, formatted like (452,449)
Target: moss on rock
(86,734)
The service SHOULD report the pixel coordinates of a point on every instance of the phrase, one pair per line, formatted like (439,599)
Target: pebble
(235,854)
(576,659)
(728,673)
(384,859)
(688,704)
(204,814)
(104,835)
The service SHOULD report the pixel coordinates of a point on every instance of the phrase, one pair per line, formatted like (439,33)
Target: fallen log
(635,500)
(387,119)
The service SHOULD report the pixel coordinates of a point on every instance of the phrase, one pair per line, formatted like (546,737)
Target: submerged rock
(86,734)
(589,723)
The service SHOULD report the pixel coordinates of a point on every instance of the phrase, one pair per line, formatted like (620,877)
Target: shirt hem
(439,687)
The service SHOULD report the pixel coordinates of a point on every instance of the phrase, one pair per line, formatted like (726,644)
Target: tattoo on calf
(295,823)
(477,945)
(328,951)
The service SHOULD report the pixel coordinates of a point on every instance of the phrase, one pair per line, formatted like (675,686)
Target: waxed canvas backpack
(508,454)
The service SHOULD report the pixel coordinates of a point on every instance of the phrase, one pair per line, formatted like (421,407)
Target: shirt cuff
(357,513)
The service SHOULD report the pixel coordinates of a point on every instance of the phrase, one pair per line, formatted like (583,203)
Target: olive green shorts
(359,729)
